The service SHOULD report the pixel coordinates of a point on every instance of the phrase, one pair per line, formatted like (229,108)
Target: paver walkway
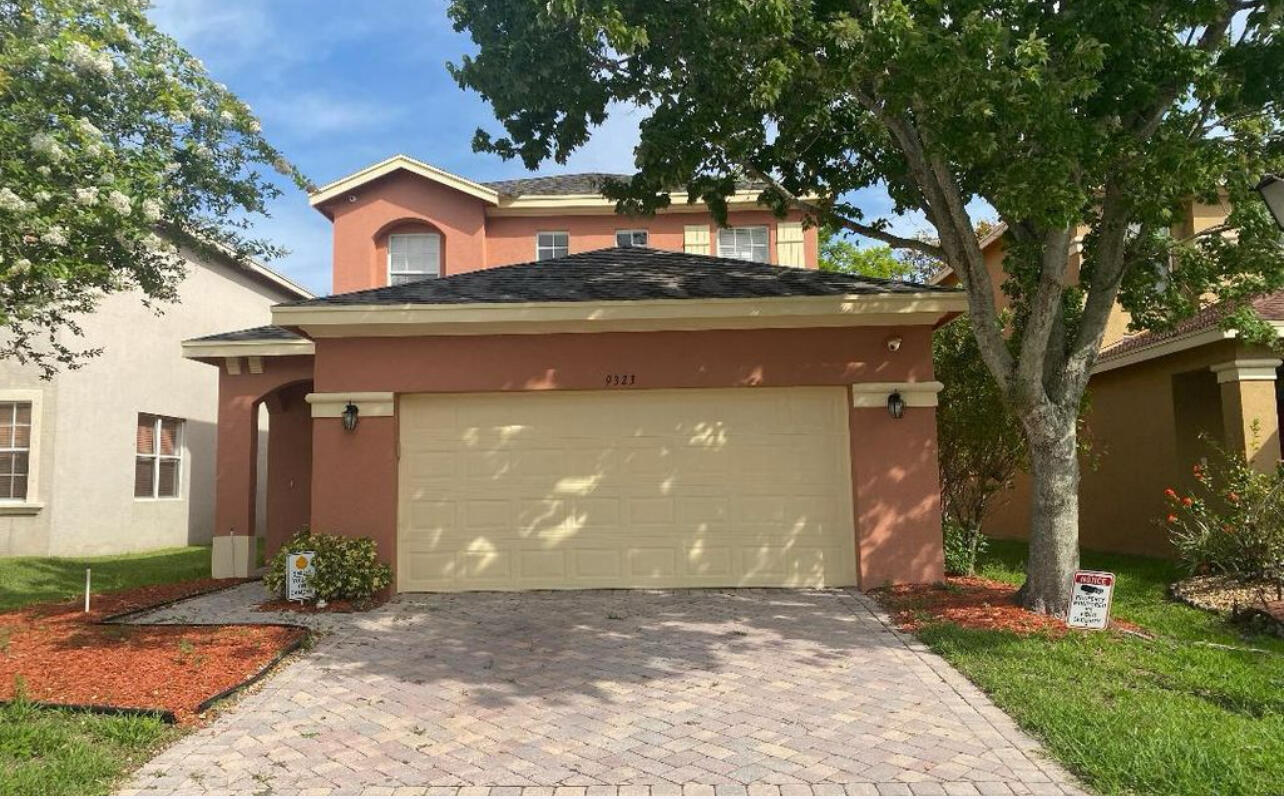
(605,692)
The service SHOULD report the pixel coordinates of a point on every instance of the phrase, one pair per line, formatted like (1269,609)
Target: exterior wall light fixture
(1272,190)
(350,412)
(895,405)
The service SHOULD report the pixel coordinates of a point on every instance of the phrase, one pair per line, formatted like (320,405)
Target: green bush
(964,544)
(1232,522)
(346,568)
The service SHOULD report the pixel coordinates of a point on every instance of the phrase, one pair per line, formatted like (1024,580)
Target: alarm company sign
(298,569)
(1090,595)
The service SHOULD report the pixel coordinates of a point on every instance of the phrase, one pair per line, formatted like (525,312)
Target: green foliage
(115,145)
(1233,522)
(839,253)
(346,568)
(979,438)
(1130,716)
(964,544)
(30,579)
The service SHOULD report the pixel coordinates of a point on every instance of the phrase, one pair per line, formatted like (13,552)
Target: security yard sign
(298,568)
(1090,596)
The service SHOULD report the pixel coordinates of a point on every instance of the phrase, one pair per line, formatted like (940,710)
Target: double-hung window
(630,238)
(15,450)
(745,243)
(158,464)
(413,256)
(551,244)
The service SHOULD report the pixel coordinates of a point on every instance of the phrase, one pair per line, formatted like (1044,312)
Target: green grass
(1170,716)
(65,752)
(27,580)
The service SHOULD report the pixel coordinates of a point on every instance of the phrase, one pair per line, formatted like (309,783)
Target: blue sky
(340,85)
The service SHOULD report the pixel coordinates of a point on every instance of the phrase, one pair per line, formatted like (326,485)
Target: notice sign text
(1090,595)
(298,568)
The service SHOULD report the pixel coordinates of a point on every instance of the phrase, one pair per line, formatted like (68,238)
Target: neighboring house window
(159,461)
(413,256)
(630,238)
(15,449)
(551,244)
(745,243)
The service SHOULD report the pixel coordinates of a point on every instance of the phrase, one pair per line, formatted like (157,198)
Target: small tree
(980,443)
(840,253)
(114,144)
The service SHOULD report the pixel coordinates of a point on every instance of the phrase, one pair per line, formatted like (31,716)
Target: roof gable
(405,163)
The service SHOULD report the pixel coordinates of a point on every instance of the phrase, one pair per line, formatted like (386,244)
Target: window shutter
(789,244)
(695,239)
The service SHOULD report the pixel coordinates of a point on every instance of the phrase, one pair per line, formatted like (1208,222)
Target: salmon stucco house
(518,388)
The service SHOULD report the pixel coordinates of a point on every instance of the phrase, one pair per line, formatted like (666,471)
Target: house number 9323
(621,379)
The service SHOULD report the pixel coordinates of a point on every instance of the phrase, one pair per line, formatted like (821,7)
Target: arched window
(413,256)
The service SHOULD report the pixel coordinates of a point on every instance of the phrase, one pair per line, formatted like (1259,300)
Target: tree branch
(828,214)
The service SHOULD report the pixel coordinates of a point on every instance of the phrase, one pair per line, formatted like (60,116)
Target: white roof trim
(196,349)
(346,184)
(994,235)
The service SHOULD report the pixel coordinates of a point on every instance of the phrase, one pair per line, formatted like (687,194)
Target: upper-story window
(745,243)
(413,256)
(15,449)
(551,244)
(630,238)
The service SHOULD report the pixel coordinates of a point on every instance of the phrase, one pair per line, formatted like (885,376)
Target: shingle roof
(623,273)
(1269,307)
(264,333)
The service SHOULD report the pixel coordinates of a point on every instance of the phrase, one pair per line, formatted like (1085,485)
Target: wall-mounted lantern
(1272,190)
(895,405)
(350,412)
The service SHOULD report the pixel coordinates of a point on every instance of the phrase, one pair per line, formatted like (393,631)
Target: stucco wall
(90,417)
(1143,441)
(354,483)
(473,240)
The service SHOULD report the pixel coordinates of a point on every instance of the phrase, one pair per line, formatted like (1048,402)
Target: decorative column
(1249,413)
(237,474)
(896,484)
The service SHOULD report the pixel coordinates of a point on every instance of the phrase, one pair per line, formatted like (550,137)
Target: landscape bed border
(169,716)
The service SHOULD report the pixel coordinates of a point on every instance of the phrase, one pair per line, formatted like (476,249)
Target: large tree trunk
(1054,513)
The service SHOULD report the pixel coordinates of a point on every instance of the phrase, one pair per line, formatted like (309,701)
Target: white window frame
(418,274)
(541,247)
(632,233)
(179,441)
(31,504)
(732,250)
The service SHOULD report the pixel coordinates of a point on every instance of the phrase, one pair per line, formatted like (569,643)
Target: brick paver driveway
(629,692)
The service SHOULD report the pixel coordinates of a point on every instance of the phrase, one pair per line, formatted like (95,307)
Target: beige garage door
(590,489)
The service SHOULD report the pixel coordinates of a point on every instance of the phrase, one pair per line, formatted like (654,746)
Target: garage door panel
(625,489)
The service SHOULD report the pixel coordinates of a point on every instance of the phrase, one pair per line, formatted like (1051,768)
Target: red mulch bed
(62,655)
(972,602)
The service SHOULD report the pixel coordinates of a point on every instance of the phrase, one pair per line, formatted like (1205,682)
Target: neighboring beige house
(118,456)
(1151,397)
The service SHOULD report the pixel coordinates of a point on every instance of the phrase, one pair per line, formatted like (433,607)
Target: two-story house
(1156,399)
(515,387)
(118,455)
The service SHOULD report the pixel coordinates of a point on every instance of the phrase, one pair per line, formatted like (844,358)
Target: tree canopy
(1097,120)
(115,144)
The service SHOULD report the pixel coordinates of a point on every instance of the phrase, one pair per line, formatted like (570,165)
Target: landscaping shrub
(964,544)
(346,568)
(1232,522)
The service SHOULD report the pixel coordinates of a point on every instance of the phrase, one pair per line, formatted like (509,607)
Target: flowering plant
(117,146)
(1232,522)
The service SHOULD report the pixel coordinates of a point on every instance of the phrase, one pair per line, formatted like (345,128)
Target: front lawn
(27,580)
(1194,711)
(69,753)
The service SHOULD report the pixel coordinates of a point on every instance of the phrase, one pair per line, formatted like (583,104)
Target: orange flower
(1233,497)
(1187,501)
(1171,494)
(1172,518)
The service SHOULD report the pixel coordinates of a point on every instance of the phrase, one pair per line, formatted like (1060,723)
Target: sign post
(1090,595)
(298,568)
